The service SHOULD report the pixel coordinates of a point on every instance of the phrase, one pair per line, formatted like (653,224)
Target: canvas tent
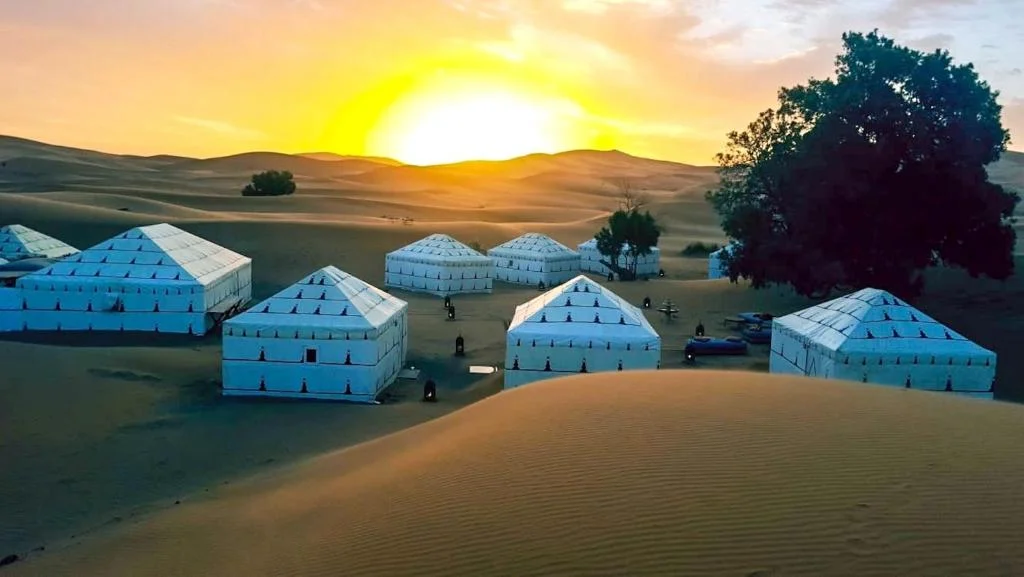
(590,259)
(18,242)
(579,326)
(328,336)
(717,268)
(873,337)
(534,258)
(151,278)
(440,265)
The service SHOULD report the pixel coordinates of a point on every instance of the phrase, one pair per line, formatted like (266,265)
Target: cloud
(221,127)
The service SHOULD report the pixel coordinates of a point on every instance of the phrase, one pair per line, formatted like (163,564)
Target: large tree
(869,178)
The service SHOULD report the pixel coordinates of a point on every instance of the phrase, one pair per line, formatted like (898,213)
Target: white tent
(440,265)
(18,242)
(151,278)
(716,267)
(590,259)
(579,326)
(10,310)
(328,336)
(873,337)
(534,258)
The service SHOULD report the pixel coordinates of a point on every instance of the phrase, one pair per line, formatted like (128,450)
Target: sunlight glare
(473,125)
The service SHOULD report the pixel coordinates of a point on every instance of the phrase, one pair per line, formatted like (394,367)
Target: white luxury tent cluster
(590,259)
(151,278)
(873,337)
(534,258)
(328,336)
(440,265)
(577,327)
(19,242)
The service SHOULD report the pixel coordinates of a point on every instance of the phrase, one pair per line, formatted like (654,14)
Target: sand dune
(672,473)
(331,157)
(259,161)
(104,432)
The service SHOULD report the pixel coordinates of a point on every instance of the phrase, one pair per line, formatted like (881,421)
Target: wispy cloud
(221,127)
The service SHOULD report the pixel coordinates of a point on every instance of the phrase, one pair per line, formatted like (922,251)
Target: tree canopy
(638,231)
(270,183)
(869,178)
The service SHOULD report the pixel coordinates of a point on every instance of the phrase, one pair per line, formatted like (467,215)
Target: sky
(429,81)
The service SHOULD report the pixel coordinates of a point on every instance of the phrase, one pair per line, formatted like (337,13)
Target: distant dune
(259,161)
(332,157)
(671,473)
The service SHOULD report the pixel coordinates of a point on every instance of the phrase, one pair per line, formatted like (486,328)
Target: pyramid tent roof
(874,321)
(18,242)
(161,252)
(582,307)
(533,244)
(440,248)
(328,301)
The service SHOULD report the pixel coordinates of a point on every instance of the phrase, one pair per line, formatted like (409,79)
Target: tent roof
(549,314)
(329,299)
(592,245)
(532,244)
(18,242)
(161,252)
(728,248)
(440,247)
(874,321)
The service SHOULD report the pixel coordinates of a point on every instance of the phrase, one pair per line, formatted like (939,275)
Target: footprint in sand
(861,538)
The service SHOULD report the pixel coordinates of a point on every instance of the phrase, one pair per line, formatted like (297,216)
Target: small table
(733,322)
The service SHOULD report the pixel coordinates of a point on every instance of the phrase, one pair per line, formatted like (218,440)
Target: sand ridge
(103,433)
(672,473)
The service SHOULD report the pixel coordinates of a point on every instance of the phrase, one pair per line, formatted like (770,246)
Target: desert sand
(99,435)
(672,473)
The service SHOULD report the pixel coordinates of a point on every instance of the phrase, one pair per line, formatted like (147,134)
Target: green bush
(700,249)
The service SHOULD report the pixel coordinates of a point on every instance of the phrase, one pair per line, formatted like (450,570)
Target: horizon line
(356,156)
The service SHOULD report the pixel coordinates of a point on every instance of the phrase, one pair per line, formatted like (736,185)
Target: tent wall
(374,364)
(439,278)
(150,307)
(794,354)
(590,260)
(532,354)
(10,310)
(234,284)
(132,304)
(716,268)
(532,271)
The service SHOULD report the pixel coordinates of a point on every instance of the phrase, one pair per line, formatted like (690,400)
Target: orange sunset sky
(430,81)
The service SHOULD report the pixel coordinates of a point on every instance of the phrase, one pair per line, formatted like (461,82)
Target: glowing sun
(478,125)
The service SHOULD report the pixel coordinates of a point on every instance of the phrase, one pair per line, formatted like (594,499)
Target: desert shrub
(699,249)
(270,183)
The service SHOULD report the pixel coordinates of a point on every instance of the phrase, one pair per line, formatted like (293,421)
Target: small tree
(270,183)
(869,178)
(637,231)
(630,199)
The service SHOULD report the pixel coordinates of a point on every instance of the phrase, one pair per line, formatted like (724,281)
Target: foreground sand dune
(666,473)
